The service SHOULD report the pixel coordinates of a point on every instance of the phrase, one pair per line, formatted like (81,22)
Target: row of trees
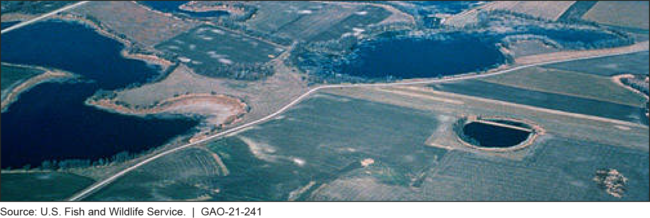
(82,163)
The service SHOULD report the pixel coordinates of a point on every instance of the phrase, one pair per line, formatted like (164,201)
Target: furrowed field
(545,100)
(185,175)
(52,186)
(636,63)
(569,83)
(320,140)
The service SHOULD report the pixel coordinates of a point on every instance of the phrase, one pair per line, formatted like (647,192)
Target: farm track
(25,23)
(85,192)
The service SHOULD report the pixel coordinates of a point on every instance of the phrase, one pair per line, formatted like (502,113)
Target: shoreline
(180,105)
(535,132)
(618,80)
(49,75)
(192,7)
(128,44)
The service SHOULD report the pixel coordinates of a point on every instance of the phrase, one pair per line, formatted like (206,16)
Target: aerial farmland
(325,101)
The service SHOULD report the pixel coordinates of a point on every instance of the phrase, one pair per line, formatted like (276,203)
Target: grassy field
(272,15)
(545,100)
(314,152)
(208,45)
(632,14)
(577,10)
(569,83)
(41,186)
(13,75)
(636,63)
(318,141)
(561,169)
(546,10)
(355,22)
(314,21)
(185,175)
(559,166)
(136,22)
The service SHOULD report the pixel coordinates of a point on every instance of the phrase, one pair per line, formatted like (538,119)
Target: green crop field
(635,63)
(314,152)
(569,83)
(185,175)
(318,141)
(559,169)
(41,186)
(545,100)
(13,75)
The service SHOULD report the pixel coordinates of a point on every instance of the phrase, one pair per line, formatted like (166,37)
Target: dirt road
(25,23)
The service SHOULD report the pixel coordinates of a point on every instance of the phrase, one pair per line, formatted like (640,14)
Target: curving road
(25,23)
(83,193)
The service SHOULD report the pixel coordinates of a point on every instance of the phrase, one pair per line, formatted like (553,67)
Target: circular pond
(495,134)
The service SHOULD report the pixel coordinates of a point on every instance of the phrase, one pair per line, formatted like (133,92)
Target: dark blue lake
(8,24)
(172,7)
(492,136)
(51,122)
(407,58)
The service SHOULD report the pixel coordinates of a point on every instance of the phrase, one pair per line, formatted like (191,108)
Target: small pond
(493,136)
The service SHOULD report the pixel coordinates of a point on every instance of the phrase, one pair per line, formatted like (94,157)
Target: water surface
(51,122)
(407,58)
(492,136)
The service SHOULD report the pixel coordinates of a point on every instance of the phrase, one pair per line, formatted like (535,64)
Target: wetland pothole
(494,133)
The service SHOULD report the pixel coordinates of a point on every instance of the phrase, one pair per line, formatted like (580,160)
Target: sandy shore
(194,6)
(219,110)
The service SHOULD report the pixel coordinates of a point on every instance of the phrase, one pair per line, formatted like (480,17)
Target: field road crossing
(25,23)
(85,192)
